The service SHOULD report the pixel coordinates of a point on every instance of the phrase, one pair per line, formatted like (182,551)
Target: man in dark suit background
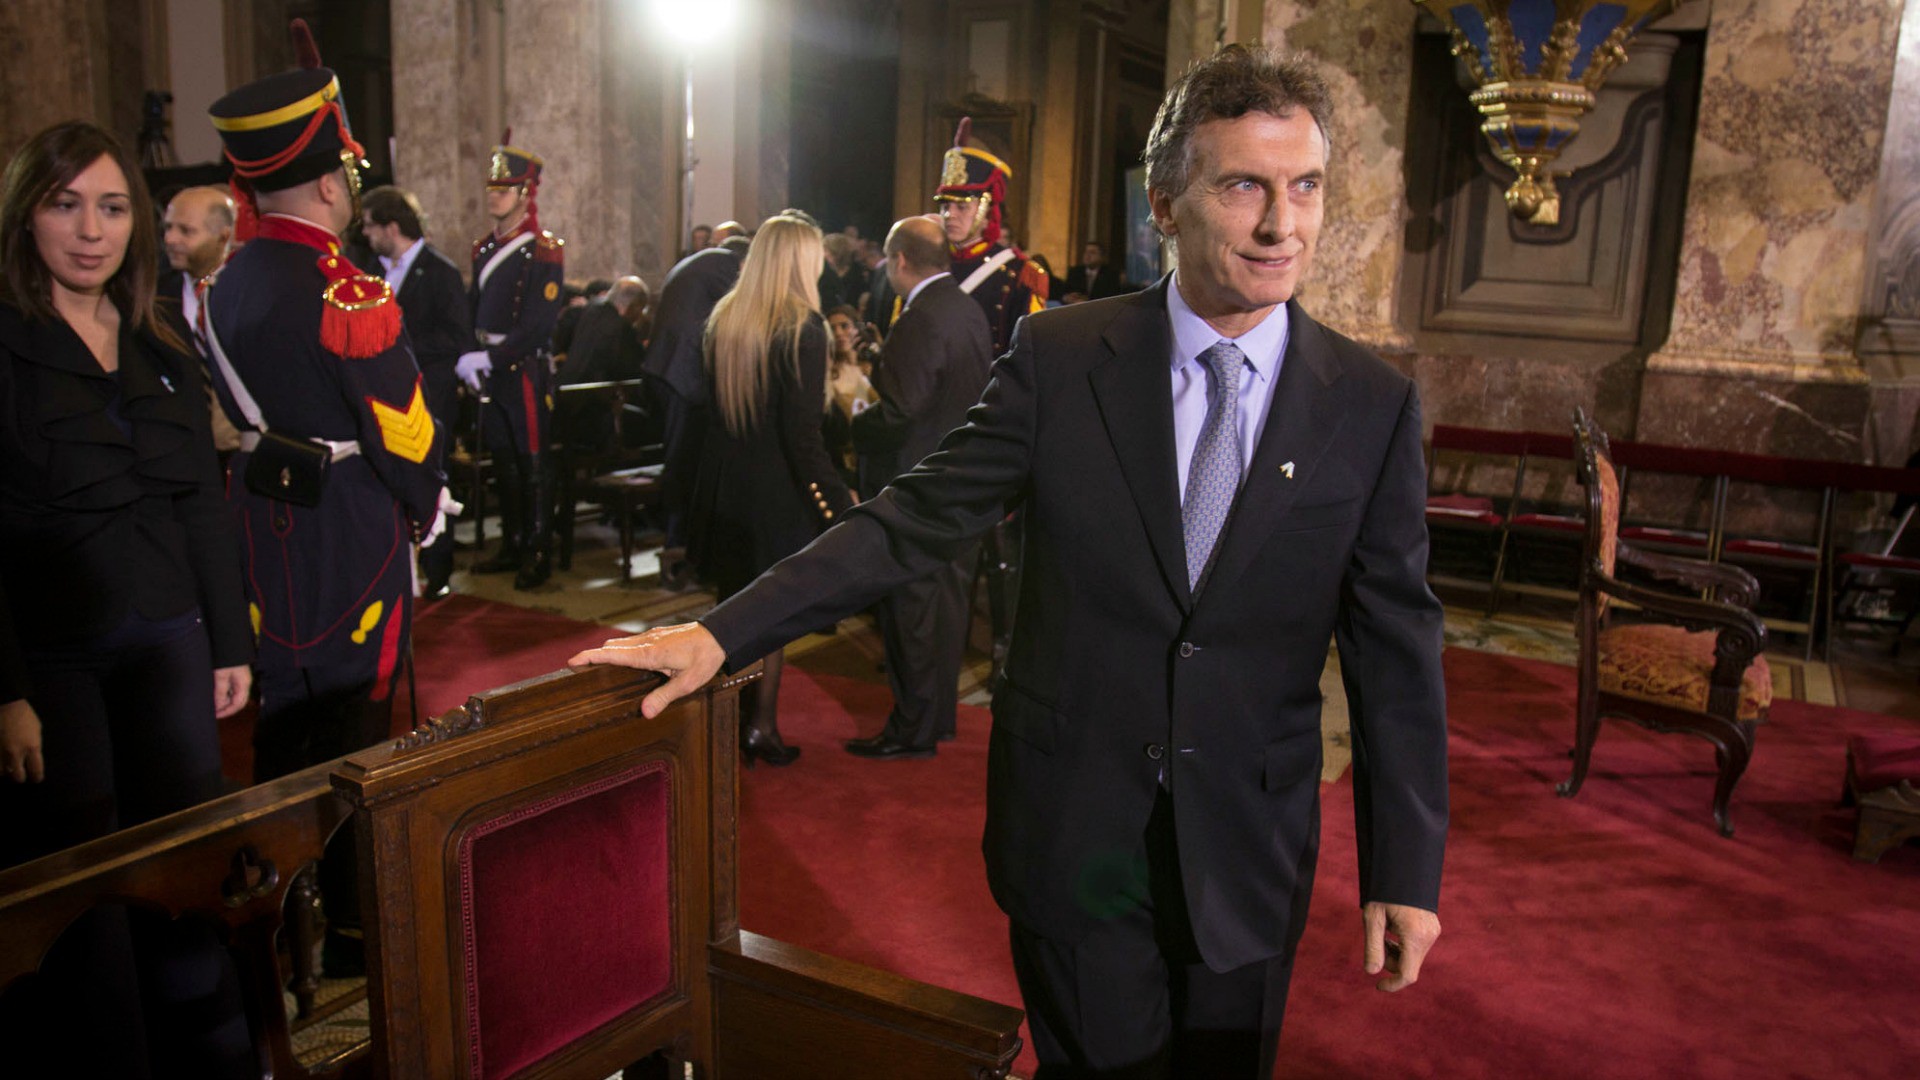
(933,368)
(1094,278)
(687,296)
(433,306)
(1216,486)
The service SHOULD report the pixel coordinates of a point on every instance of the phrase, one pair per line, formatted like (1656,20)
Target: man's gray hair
(1231,83)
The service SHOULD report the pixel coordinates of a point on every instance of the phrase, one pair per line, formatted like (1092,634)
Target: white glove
(472,367)
(448,507)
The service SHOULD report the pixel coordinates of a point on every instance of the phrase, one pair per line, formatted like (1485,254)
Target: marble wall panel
(53,66)
(1366,50)
(1786,158)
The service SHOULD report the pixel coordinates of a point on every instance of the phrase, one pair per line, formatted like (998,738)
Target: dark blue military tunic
(330,585)
(1007,293)
(516,302)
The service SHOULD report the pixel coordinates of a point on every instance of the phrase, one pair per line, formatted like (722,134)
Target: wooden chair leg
(1586,729)
(1732,755)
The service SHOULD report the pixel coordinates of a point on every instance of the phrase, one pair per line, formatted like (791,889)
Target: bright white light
(693,23)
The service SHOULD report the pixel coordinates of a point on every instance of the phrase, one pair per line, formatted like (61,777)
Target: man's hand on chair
(687,654)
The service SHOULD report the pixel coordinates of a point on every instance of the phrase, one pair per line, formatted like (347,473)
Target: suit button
(1186,649)
(1155,751)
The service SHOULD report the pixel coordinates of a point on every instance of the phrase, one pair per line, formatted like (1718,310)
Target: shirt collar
(396,269)
(1264,345)
(923,284)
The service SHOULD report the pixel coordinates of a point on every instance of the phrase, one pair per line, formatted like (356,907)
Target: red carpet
(1612,935)
(463,645)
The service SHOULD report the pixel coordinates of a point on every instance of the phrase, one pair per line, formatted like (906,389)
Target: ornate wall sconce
(1538,64)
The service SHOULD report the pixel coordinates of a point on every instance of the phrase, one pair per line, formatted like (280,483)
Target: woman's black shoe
(768,748)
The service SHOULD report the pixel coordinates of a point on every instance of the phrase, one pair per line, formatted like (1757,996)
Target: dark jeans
(128,733)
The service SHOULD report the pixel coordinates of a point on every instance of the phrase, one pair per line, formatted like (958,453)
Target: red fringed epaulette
(359,318)
(1034,278)
(548,248)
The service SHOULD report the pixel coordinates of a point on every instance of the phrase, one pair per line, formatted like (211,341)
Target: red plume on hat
(305,52)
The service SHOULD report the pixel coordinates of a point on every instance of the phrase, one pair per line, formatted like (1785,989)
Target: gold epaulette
(1034,279)
(359,318)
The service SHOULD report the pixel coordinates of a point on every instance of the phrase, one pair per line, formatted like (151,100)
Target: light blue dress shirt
(1265,346)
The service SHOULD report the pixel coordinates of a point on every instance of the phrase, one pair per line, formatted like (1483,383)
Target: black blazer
(764,494)
(694,285)
(96,521)
(930,373)
(1104,283)
(439,321)
(1115,671)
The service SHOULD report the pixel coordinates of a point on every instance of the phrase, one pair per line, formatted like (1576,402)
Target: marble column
(1786,163)
(54,66)
(582,83)
(1366,53)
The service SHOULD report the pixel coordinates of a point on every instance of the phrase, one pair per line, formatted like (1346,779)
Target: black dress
(765,494)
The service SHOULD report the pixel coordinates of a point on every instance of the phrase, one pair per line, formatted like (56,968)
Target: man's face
(504,203)
(192,246)
(383,239)
(1093,256)
(702,239)
(961,220)
(1247,223)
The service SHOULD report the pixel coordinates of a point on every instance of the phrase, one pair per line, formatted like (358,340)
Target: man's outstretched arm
(904,533)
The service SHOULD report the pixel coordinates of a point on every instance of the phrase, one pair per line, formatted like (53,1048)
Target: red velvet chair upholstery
(1693,667)
(1883,773)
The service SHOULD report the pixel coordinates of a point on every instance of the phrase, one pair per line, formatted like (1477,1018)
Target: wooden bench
(629,491)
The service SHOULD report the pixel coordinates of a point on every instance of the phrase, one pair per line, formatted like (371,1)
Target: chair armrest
(1742,636)
(1732,584)
(771,999)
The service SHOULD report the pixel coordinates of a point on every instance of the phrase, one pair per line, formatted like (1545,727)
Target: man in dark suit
(932,370)
(1216,486)
(433,304)
(687,296)
(1093,279)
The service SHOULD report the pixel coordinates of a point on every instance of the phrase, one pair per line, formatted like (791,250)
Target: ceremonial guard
(517,298)
(339,470)
(973,188)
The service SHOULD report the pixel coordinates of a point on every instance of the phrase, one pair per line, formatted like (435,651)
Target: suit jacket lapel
(1134,390)
(1301,425)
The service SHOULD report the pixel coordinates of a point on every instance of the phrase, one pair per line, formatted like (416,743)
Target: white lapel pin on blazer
(1288,469)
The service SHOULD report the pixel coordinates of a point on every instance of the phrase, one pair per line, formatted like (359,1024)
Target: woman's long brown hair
(41,169)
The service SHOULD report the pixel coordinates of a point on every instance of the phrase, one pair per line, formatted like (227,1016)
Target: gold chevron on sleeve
(406,434)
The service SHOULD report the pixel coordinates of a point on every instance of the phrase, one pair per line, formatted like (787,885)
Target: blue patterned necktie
(1214,474)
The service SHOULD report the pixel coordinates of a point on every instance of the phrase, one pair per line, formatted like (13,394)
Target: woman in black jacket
(125,630)
(766,485)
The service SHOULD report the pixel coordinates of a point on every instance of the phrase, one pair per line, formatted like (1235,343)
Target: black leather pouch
(291,470)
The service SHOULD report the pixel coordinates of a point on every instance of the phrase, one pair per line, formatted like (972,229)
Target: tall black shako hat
(968,172)
(285,129)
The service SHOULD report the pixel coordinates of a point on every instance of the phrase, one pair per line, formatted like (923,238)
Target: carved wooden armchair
(1693,666)
(550,887)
